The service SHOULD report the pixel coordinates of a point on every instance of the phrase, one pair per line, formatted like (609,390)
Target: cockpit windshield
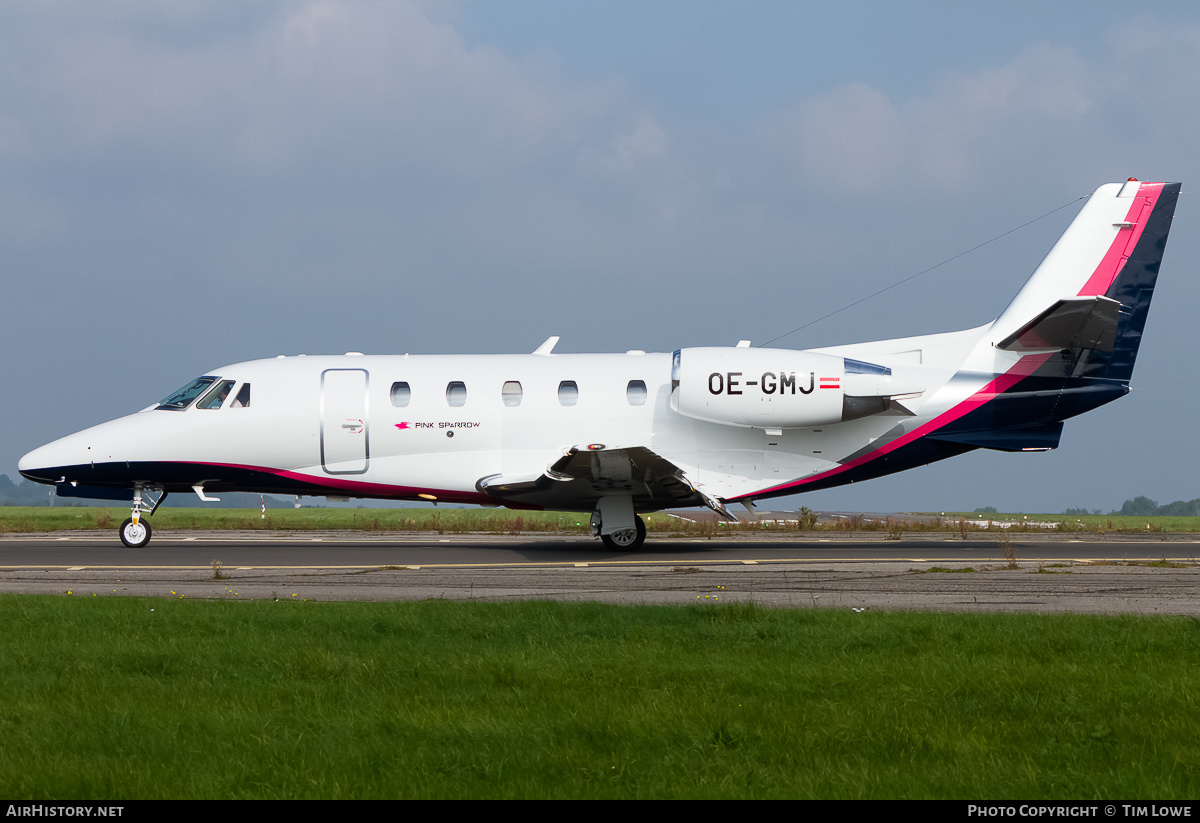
(183,398)
(216,396)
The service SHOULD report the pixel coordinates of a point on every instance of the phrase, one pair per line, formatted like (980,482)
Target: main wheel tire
(135,536)
(626,540)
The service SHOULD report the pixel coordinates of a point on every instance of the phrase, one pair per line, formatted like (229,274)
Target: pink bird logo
(402,425)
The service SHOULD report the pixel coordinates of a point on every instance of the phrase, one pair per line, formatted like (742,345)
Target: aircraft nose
(97,455)
(40,465)
(49,463)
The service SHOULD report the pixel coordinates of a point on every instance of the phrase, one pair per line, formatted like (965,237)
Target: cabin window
(401,394)
(511,393)
(635,392)
(242,401)
(568,393)
(183,398)
(456,393)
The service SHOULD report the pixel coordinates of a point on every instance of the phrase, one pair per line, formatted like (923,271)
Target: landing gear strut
(135,531)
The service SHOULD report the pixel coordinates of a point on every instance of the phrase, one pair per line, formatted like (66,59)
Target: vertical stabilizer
(1091,295)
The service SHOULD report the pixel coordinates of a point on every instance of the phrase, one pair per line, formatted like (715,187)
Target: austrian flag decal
(831,382)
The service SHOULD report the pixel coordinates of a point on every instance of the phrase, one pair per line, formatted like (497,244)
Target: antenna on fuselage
(548,346)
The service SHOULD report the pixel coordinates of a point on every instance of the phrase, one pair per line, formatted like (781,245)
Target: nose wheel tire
(626,540)
(135,535)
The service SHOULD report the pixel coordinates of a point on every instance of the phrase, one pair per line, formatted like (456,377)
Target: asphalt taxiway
(1106,574)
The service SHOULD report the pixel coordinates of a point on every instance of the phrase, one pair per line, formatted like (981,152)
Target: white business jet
(623,434)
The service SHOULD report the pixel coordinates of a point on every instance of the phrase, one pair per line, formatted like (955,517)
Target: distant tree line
(24,494)
(1137,507)
(1145,507)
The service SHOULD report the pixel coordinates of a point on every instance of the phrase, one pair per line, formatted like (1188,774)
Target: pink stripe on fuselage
(1001,383)
(381,490)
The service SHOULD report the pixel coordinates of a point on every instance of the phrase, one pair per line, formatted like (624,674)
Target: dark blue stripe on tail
(1134,287)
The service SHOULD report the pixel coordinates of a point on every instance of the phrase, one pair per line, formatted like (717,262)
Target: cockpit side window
(183,398)
(216,395)
(242,401)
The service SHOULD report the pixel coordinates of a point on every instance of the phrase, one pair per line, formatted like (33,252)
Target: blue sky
(192,184)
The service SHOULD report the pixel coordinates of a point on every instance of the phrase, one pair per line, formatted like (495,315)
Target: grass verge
(503,521)
(135,698)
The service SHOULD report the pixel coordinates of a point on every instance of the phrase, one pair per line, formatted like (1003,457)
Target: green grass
(1093,522)
(504,521)
(113,698)
(499,521)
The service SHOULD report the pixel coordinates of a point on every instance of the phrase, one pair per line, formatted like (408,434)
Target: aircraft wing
(584,474)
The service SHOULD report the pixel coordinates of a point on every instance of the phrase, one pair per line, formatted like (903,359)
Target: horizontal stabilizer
(1074,323)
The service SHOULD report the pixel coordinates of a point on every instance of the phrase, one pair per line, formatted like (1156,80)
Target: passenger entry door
(345,445)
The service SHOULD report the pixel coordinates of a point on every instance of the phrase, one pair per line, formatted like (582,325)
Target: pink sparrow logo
(408,425)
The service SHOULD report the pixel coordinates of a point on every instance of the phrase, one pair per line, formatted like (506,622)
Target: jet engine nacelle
(779,388)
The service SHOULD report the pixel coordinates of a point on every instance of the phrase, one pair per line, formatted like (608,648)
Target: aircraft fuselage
(620,434)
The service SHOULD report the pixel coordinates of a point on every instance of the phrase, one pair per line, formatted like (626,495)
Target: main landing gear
(618,527)
(135,531)
(626,540)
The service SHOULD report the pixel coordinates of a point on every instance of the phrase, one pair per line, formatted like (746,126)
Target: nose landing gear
(135,531)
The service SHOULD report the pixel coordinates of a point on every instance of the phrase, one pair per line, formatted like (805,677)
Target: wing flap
(584,474)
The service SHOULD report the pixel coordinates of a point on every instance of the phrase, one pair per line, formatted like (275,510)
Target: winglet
(548,346)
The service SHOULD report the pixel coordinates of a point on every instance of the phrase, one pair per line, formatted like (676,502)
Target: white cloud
(856,138)
(362,86)
(644,139)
